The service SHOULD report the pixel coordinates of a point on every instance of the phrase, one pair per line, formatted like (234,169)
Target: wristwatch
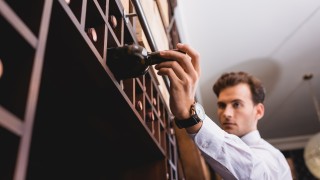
(197,114)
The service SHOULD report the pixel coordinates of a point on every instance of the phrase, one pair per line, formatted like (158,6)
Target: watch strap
(193,120)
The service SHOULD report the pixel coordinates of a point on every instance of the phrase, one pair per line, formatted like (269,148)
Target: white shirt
(249,157)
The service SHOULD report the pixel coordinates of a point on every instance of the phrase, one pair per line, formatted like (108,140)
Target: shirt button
(205,145)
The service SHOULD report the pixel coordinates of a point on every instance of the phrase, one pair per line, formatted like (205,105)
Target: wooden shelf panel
(30,13)
(17,57)
(70,117)
(95,26)
(85,119)
(115,20)
(9,144)
(10,122)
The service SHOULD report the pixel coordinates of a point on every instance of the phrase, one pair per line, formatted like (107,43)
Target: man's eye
(221,106)
(236,105)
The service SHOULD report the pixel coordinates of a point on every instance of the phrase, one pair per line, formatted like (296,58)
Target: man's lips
(228,125)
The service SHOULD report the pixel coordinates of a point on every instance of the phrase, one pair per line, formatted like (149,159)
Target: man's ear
(260,111)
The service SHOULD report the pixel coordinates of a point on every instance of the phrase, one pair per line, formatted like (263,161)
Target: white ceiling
(277,41)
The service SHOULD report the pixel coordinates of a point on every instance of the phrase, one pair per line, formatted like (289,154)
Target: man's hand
(183,73)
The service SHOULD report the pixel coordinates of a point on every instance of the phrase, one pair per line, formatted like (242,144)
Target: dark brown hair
(234,78)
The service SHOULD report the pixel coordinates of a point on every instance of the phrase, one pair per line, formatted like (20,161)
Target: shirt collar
(251,138)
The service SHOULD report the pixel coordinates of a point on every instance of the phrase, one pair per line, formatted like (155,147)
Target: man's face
(236,111)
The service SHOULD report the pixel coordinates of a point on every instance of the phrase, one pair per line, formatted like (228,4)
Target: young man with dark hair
(236,150)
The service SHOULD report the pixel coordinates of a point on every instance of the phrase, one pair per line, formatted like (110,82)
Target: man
(236,151)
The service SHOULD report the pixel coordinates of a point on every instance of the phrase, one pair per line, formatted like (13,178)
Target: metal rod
(147,32)
(144,25)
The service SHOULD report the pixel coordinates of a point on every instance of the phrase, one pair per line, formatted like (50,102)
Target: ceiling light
(312,149)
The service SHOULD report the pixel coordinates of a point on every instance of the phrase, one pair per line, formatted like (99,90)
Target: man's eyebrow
(234,100)
(220,102)
(237,100)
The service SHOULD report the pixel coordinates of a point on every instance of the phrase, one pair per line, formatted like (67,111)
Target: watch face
(200,111)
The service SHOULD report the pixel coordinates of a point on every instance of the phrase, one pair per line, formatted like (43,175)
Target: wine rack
(63,114)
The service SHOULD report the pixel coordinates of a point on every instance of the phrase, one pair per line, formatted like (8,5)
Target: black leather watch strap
(193,120)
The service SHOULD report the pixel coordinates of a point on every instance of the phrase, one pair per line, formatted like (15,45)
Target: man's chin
(229,130)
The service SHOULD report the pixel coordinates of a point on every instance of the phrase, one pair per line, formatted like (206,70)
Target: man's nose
(228,111)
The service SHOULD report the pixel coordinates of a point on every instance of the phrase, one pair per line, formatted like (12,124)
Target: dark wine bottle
(130,61)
